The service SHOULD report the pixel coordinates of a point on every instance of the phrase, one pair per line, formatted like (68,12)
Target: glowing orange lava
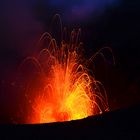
(69,91)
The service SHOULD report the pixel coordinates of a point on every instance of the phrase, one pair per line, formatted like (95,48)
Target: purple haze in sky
(82,9)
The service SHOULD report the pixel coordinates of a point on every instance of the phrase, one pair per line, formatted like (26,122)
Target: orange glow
(69,91)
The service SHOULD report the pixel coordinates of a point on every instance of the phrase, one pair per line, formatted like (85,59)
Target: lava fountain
(66,90)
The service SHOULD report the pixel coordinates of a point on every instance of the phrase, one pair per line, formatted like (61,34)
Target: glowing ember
(69,91)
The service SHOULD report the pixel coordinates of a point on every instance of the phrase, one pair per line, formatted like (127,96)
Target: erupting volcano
(67,90)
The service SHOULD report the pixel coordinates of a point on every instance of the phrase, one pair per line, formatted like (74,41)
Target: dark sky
(112,23)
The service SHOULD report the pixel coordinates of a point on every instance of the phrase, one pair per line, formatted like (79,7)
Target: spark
(69,91)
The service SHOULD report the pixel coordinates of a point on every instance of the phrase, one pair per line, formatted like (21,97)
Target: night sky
(104,23)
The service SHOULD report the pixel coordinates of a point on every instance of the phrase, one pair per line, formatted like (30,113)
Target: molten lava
(69,91)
